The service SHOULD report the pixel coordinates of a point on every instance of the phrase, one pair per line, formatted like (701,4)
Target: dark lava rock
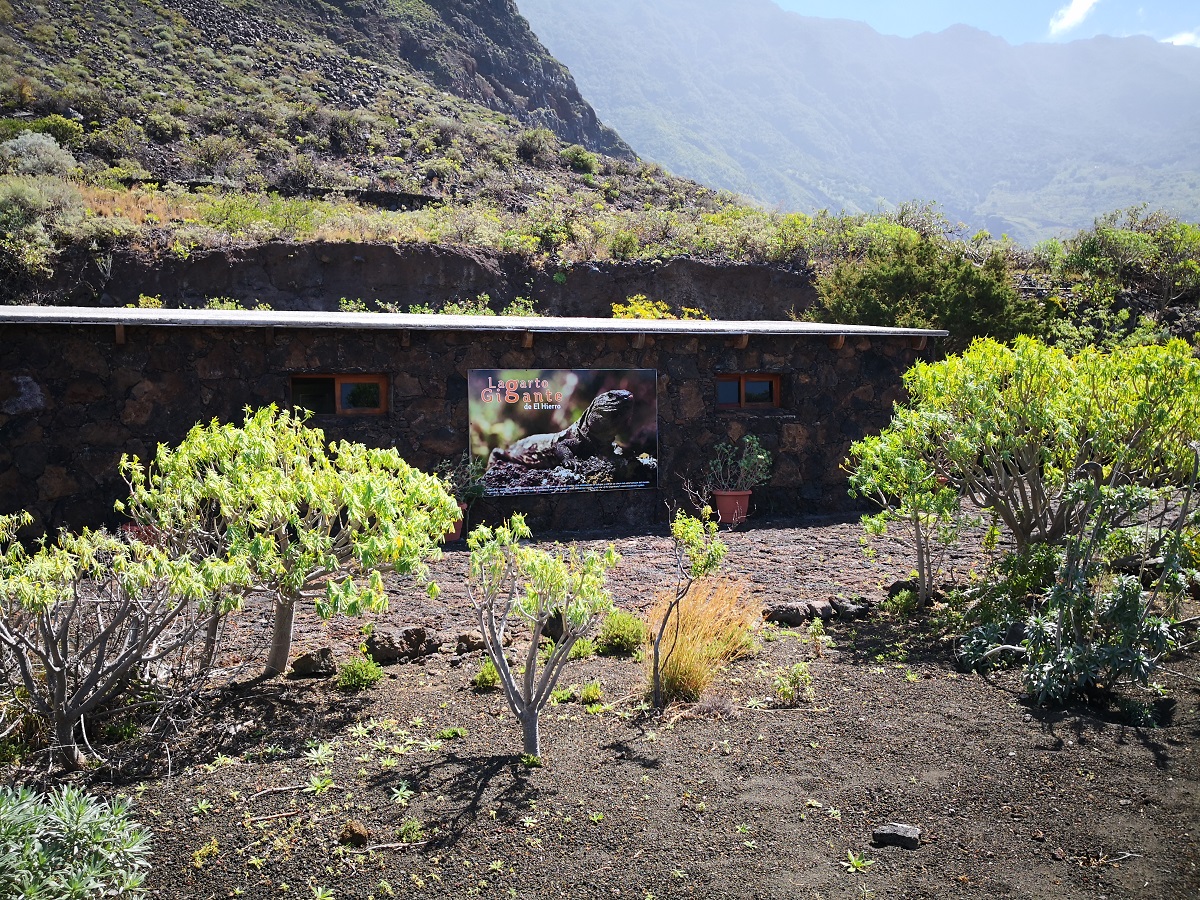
(894,834)
(389,645)
(909,584)
(315,664)
(822,608)
(850,609)
(790,614)
(354,833)
(553,628)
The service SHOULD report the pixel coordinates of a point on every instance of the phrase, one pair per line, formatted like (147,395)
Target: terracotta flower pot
(732,506)
(456,530)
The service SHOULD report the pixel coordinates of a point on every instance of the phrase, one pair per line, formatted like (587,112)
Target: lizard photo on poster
(551,430)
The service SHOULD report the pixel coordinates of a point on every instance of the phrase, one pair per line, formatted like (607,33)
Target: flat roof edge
(219,318)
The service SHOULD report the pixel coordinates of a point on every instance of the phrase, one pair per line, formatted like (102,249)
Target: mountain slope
(806,113)
(338,93)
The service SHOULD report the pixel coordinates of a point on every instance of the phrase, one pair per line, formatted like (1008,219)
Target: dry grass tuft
(715,625)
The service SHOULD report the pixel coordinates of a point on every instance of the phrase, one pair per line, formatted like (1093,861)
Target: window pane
(760,391)
(727,393)
(363,395)
(315,394)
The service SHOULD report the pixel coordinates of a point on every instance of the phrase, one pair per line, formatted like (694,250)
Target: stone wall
(72,400)
(315,276)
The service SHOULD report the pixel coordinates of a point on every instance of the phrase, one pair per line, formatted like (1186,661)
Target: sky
(1020,21)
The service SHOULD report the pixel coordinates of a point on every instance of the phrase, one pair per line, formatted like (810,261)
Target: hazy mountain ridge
(1030,140)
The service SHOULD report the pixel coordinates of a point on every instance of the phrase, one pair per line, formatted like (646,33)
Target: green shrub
(1018,429)
(487,678)
(66,132)
(537,146)
(621,634)
(123,138)
(1019,579)
(580,160)
(591,693)
(794,685)
(164,127)
(359,673)
(68,845)
(32,211)
(215,156)
(584,648)
(902,604)
(35,154)
(910,281)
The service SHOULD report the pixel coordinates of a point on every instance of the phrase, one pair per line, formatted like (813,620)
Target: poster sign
(551,430)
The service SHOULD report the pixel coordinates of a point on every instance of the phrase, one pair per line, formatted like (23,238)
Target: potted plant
(463,476)
(734,469)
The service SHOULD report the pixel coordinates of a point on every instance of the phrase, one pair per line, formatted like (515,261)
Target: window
(342,395)
(747,391)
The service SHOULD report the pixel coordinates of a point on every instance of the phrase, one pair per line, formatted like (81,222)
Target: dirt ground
(727,799)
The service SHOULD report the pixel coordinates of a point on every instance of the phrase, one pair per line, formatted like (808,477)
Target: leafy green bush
(123,138)
(1015,427)
(911,281)
(537,145)
(1096,628)
(584,648)
(32,212)
(487,678)
(164,127)
(359,673)
(67,845)
(794,685)
(621,634)
(35,154)
(591,693)
(1019,579)
(580,160)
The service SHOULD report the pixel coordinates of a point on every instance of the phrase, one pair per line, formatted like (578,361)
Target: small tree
(83,619)
(506,578)
(303,520)
(698,552)
(1012,428)
(910,492)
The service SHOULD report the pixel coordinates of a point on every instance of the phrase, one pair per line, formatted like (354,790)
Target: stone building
(81,386)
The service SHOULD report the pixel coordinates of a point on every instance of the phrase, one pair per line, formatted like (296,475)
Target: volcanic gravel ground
(724,799)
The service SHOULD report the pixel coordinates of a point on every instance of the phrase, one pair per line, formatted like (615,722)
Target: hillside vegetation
(210,126)
(806,113)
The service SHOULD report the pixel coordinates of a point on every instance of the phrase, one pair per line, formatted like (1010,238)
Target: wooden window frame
(741,378)
(339,380)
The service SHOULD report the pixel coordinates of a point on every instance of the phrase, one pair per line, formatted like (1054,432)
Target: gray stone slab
(253,318)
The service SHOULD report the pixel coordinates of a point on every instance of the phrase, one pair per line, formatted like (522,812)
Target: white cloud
(1185,39)
(1071,16)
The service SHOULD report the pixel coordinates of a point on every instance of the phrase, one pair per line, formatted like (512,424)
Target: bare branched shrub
(89,618)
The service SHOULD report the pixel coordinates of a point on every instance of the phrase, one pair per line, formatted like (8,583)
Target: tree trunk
(210,642)
(281,636)
(529,728)
(64,741)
